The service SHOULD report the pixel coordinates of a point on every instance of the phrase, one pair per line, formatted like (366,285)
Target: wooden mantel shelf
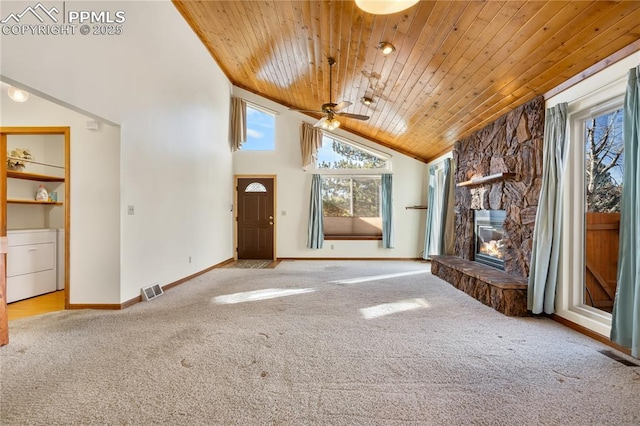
(486,179)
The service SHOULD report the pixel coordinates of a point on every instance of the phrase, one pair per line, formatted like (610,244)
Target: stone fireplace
(497,168)
(511,145)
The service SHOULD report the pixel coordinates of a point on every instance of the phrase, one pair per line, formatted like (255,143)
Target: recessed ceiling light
(384,7)
(17,95)
(386,47)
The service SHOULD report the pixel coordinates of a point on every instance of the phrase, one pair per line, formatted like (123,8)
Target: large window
(591,187)
(351,206)
(351,189)
(591,211)
(260,130)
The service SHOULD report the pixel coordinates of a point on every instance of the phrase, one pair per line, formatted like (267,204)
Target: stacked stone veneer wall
(513,144)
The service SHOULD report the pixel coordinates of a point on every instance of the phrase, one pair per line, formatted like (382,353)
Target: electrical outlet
(189,259)
(130,210)
(331,246)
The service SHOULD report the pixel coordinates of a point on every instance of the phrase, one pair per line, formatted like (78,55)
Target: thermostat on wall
(93,125)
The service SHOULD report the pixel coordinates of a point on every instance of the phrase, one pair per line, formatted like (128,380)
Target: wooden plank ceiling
(458,65)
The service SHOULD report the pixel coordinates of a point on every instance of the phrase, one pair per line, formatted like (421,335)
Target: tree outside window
(603,162)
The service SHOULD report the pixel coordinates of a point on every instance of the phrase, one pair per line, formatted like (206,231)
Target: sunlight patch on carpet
(393,308)
(379,277)
(254,296)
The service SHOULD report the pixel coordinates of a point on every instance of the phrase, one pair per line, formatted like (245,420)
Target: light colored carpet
(291,346)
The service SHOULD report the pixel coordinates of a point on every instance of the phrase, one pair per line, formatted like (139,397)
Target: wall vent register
(152,292)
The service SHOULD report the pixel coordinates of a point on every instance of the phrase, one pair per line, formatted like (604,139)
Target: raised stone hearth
(503,292)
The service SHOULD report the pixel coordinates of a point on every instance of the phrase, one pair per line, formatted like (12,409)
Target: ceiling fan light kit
(366,100)
(386,47)
(330,110)
(330,124)
(385,7)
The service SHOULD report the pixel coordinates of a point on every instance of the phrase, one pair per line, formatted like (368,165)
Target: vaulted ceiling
(458,65)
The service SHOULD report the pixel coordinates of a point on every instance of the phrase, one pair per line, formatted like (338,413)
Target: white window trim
(574,199)
(261,108)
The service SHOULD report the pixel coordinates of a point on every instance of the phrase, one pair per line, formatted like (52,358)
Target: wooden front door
(255,218)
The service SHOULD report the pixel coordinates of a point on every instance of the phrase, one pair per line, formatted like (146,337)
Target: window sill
(354,237)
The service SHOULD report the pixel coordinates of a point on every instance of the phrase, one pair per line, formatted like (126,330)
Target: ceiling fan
(331,110)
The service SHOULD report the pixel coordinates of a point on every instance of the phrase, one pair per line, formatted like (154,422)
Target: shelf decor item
(15,156)
(42,194)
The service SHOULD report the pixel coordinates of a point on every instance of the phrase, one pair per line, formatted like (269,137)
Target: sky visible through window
(260,131)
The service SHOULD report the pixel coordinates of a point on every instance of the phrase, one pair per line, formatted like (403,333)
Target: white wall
(158,82)
(294,186)
(95,197)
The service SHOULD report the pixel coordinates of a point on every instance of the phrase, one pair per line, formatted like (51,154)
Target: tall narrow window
(603,166)
(260,130)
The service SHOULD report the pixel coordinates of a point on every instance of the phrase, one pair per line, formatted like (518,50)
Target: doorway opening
(35,218)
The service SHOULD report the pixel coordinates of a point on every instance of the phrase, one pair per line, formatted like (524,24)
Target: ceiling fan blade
(319,123)
(342,105)
(356,116)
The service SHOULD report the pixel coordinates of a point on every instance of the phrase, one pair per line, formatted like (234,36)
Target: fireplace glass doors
(490,237)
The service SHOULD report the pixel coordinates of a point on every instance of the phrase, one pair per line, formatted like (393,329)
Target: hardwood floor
(50,302)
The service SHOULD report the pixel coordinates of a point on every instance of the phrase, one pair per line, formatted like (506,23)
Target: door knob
(270,223)
(270,217)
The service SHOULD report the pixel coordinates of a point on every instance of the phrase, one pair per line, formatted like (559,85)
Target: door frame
(23,131)
(4,317)
(235,211)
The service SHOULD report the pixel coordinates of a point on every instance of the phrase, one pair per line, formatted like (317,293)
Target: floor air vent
(152,291)
(618,358)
